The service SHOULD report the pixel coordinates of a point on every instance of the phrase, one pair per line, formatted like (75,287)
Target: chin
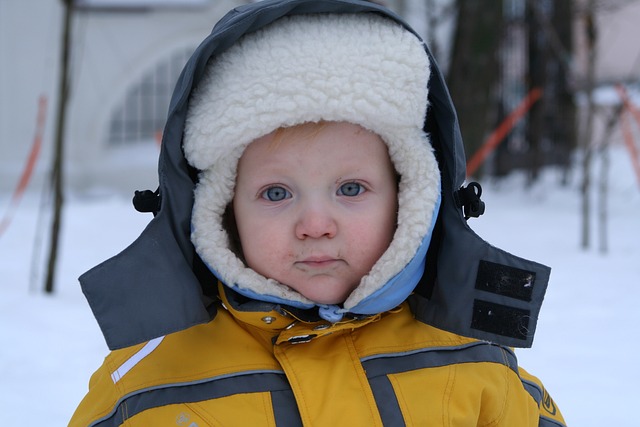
(324,298)
(330,292)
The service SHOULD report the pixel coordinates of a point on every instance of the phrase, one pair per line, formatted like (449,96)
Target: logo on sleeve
(183,420)
(547,403)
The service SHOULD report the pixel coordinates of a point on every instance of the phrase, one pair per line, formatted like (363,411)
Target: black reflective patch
(195,392)
(504,280)
(533,389)
(285,408)
(501,319)
(475,352)
(387,401)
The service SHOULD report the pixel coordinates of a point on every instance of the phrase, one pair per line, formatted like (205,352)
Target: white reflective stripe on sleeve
(133,360)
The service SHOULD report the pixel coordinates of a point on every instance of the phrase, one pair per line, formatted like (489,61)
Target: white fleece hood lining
(362,69)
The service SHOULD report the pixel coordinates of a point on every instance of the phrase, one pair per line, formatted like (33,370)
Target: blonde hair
(302,132)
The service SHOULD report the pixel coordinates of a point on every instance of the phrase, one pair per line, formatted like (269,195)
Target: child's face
(316,207)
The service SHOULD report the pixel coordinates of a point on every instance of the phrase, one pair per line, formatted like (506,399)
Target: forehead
(314,149)
(322,139)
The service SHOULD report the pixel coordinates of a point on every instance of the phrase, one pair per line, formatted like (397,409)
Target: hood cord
(147,201)
(468,198)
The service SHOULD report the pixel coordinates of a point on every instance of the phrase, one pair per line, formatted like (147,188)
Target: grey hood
(159,285)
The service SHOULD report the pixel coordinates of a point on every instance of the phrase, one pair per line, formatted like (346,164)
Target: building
(124,63)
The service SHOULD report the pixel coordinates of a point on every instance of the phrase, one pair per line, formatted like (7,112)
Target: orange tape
(629,109)
(30,165)
(498,135)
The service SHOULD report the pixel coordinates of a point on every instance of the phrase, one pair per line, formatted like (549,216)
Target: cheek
(389,223)
(370,237)
(262,245)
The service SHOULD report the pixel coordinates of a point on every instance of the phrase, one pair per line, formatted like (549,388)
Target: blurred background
(548,99)
(120,60)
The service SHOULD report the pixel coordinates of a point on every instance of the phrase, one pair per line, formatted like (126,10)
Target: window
(141,116)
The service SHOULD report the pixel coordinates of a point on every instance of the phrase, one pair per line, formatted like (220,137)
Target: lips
(318,261)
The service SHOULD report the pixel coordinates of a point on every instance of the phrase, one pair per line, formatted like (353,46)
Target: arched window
(141,116)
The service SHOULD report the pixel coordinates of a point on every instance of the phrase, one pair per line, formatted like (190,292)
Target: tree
(474,69)
(57,172)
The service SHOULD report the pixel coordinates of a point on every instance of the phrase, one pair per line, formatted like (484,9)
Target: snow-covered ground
(587,343)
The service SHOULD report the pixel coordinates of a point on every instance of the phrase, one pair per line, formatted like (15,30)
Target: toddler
(309,263)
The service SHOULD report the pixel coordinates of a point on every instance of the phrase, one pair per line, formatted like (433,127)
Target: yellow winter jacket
(251,368)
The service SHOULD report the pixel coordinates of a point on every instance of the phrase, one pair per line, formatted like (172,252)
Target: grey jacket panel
(157,285)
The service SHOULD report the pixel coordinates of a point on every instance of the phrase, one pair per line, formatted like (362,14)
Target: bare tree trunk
(587,134)
(562,43)
(603,188)
(538,77)
(57,173)
(432,25)
(475,68)
(603,184)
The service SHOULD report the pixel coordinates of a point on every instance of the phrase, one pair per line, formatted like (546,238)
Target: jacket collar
(287,324)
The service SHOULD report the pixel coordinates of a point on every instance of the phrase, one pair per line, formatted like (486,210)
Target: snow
(587,341)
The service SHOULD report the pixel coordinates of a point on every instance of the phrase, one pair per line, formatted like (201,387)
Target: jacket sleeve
(102,400)
(550,415)
(99,401)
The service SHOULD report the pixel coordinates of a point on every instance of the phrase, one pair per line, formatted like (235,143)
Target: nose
(315,222)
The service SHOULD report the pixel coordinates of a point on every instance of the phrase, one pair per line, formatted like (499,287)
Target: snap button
(268,319)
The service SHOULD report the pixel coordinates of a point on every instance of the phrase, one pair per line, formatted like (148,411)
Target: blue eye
(276,194)
(351,189)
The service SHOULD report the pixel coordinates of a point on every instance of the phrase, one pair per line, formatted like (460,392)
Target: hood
(316,68)
(159,284)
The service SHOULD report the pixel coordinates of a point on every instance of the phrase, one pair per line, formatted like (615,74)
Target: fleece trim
(362,69)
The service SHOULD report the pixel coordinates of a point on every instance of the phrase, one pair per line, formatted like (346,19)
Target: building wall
(111,50)
(28,69)
(115,56)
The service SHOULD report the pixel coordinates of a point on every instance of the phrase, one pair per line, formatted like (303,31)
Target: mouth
(318,261)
